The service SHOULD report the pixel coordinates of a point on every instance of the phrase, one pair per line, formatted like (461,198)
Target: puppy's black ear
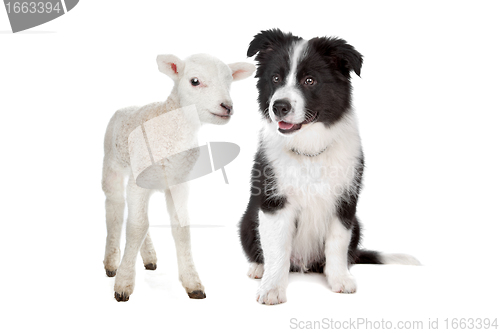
(265,41)
(341,55)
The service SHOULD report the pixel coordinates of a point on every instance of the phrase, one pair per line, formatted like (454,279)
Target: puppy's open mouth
(287,128)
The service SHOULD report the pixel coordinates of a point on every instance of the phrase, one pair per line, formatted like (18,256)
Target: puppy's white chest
(322,178)
(312,187)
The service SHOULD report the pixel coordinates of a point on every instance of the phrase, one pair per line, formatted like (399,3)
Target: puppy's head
(302,82)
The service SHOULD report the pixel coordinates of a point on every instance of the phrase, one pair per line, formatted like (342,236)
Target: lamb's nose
(227,107)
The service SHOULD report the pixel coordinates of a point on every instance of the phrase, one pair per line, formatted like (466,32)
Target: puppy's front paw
(271,296)
(344,283)
(255,271)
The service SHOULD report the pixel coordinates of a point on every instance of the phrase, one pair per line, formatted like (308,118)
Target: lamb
(201,81)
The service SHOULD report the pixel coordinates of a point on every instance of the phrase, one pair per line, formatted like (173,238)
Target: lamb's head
(204,81)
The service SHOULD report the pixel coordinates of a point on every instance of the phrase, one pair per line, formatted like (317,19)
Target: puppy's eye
(309,81)
(276,78)
(195,82)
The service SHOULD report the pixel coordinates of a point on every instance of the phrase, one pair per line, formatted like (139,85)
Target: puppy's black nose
(228,108)
(281,107)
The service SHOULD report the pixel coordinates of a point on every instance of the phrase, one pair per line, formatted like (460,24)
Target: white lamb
(200,80)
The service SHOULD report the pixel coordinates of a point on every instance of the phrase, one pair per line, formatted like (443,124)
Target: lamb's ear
(170,65)
(266,41)
(241,70)
(341,55)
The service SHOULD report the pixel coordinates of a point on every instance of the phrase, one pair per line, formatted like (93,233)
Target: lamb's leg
(113,187)
(148,253)
(137,228)
(178,216)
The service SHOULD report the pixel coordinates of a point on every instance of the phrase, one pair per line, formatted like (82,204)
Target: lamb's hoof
(150,266)
(111,273)
(197,294)
(122,297)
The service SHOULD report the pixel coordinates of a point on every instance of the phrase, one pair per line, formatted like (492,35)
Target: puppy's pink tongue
(285,126)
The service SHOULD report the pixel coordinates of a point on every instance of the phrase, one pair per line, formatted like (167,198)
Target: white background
(428,109)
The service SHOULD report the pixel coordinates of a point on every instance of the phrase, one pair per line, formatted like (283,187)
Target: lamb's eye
(309,81)
(195,82)
(276,78)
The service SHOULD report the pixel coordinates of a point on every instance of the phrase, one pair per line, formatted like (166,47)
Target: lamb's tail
(378,258)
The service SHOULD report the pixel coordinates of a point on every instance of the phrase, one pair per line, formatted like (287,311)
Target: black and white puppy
(308,170)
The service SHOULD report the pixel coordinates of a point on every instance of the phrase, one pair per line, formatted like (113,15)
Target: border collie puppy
(308,169)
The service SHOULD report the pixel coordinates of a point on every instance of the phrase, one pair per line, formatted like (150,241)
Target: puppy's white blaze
(297,52)
(289,90)
(399,259)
